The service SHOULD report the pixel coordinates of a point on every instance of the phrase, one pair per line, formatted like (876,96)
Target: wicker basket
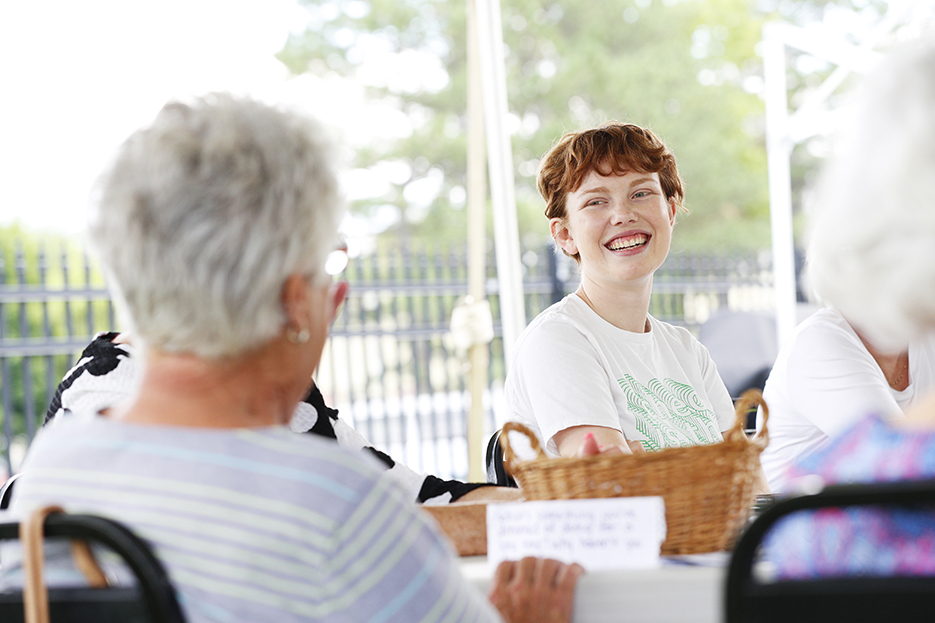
(708,490)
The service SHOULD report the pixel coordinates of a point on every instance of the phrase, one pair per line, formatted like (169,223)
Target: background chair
(852,599)
(496,472)
(742,345)
(151,600)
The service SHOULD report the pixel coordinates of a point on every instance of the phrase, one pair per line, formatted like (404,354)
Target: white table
(673,593)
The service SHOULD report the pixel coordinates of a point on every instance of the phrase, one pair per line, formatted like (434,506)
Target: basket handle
(750,398)
(509,456)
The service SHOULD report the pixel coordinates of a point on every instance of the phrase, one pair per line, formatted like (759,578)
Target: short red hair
(612,148)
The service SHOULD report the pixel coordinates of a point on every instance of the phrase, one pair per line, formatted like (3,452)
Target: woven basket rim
(729,467)
(641,458)
(735,435)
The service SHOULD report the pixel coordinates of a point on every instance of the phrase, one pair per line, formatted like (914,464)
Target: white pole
(476,235)
(778,152)
(500,165)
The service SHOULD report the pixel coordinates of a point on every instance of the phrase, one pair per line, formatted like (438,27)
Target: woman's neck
(894,366)
(626,308)
(183,390)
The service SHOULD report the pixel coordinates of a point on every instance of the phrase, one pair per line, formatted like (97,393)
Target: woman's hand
(590,447)
(593,440)
(535,590)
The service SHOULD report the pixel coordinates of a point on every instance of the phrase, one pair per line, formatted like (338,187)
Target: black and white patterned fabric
(107,373)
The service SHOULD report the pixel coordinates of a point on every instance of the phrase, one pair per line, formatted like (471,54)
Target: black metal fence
(390,367)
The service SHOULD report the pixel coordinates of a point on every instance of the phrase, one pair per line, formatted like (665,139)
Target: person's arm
(535,590)
(559,380)
(390,563)
(491,493)
(592,440)
(397,566)
(921,415)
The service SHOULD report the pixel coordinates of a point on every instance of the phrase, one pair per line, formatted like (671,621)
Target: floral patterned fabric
(860,541)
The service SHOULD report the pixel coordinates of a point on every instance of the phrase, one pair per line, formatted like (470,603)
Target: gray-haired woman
(873,258)
(213,225)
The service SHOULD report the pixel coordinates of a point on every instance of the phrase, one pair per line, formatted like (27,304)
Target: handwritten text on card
(607,533)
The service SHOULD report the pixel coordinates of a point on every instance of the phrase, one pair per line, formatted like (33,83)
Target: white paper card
(598,534)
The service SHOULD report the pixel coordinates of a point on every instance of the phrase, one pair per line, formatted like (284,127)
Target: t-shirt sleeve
(833,381)
(715,389)
(394,566)
(558,380)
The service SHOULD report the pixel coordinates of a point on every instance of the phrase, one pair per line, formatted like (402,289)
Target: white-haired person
(213,225)
(873,259)
(829,376)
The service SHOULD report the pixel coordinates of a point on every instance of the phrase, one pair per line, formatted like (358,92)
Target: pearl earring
(300,336)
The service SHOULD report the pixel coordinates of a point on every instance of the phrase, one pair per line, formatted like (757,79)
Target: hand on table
(535,590)
(590,447)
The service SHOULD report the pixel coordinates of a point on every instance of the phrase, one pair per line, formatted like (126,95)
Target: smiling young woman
(620,227)
(596,367)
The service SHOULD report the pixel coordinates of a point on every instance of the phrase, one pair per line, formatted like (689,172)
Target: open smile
(625,243)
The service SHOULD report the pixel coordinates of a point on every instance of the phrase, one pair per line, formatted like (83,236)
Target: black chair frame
(6,491)
(496,471)
(151,600)
(853,598)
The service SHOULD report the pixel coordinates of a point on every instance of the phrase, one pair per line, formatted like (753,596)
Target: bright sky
(77,78)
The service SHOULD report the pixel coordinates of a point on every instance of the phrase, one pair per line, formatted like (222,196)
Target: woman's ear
(338,294)
(673,210)
(558,227)
(296,302)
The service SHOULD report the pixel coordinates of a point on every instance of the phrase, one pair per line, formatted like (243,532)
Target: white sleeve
(715,389)
(558,381)
(92,391)
(832,380)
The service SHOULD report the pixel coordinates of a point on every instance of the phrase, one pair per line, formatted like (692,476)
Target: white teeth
(627,243)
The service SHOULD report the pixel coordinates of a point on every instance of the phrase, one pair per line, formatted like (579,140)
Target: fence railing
(390,366)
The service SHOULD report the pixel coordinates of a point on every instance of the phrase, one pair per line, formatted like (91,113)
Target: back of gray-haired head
(872,254)
(205,213)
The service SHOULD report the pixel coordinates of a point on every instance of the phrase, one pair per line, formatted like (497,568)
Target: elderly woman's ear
(338,294)
(302,301)
(297,303)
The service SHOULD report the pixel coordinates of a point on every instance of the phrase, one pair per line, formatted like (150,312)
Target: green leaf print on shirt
(668,414)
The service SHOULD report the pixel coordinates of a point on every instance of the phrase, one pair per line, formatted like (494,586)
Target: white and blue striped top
(256,524)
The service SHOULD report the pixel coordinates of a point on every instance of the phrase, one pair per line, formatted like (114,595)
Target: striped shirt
(255,524)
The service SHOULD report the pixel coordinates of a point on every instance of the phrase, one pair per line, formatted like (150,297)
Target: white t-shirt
(574,368)
(823,381)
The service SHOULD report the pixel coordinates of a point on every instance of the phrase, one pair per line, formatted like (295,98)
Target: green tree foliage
(688,69)
(677,67)
(44,280)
